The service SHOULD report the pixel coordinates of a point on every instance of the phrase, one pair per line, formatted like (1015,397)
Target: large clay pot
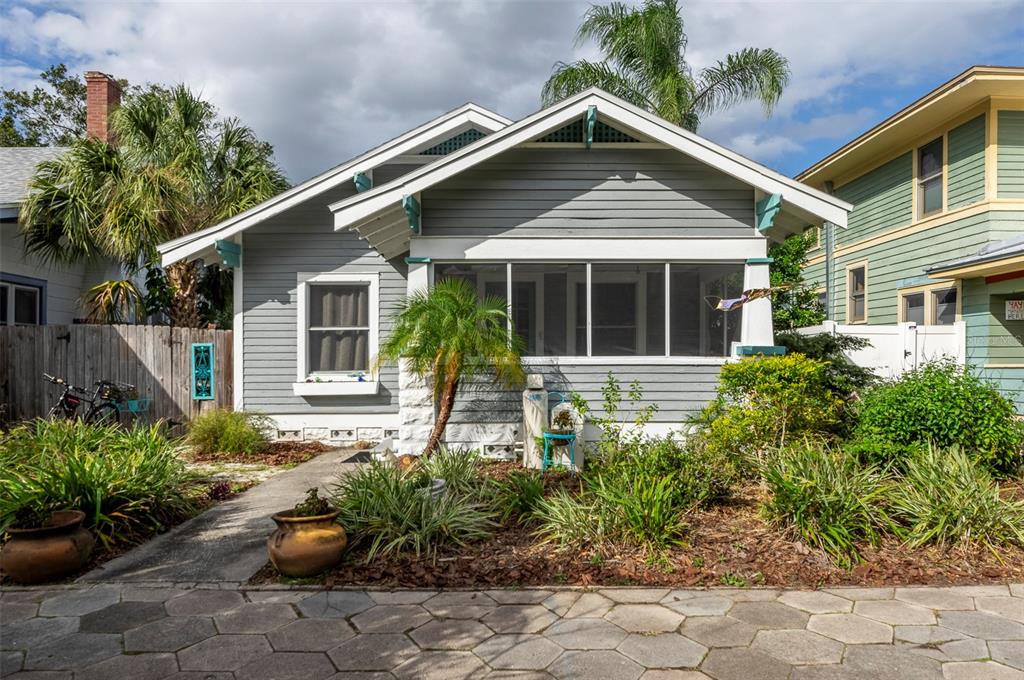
(305,546)
(40,554)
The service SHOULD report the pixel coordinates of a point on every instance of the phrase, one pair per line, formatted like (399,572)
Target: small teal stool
(549,439)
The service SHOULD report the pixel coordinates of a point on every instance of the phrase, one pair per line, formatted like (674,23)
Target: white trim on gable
(436,130)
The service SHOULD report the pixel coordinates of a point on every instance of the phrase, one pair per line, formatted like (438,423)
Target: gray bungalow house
(610,232)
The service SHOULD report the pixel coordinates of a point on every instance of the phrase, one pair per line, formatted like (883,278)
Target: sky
(324,81)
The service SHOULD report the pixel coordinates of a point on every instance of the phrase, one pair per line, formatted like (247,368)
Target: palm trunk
(184,309)
(443,414)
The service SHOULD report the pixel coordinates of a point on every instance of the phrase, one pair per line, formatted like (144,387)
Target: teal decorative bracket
(767,209)
(760,260)
(202,371)
(362,182)
(591,123)
(760,350)
(418,260)
(412,211)
(230,253)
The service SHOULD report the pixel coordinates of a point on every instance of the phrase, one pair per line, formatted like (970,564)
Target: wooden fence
(156,359)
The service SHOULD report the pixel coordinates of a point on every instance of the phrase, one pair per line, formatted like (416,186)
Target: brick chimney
(102,96)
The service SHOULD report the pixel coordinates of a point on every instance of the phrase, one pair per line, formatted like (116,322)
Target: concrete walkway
(164,632)
(228,541)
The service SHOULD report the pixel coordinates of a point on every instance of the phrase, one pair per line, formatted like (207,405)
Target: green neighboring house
(937,230)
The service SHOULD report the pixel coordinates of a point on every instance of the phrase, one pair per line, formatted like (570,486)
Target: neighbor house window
(857,293)
(929,177)
(934,305)
(339,333)
(21,304)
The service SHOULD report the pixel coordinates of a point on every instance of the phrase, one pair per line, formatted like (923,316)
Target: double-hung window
(934,305)
(857,293)
(929,178)
(21,304)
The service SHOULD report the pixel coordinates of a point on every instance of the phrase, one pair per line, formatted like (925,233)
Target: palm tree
(448,335)
(644,50)
(173,169)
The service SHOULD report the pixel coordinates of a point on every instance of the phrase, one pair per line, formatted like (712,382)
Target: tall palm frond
(748,74)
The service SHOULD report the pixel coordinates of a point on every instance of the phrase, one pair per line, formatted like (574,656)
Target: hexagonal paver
(589,605)
(518,652)
(815,602)
(744,664)
(935,598)
(585,634)
(288,666)
(984,591)
(441,666)
(718,631)
(528,596)
(856,594)
(204,675)
(397,618)
(749,594)
(136,667)
(667,650)
(561,601)
(150,593)
(982,625)
(1010,653)
(254,618)
(277,596)
(768,615)
(511,618)
(969,649)
(169,635)
(635,595)
(926,635)
(223,653)
(80,602)
(204,603)
(117,618)
(673,674)
(895,613)
(799,647)
(373,652)
(518,675)
(310,635)
(451,634)
(702,606)
(335,604)
(1008,607)
(980,670)
(35,632)
(73,651)
(460,605)
(1017,589)
(401,596)
(11,662)
(595,665)
(644,618)
(850,629)
(12,612)
(885,662)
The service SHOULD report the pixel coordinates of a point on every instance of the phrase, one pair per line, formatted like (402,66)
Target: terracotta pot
(305,546)
(46,553)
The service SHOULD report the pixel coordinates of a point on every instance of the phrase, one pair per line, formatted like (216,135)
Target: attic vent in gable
(573,132)
(454,143)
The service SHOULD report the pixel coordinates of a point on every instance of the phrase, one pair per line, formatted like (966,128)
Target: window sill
(347,387)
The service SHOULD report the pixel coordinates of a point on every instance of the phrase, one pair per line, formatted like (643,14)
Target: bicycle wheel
(104,414)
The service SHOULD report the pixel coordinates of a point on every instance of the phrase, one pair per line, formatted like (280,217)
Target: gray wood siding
(64,283)
(679,390)
(302,239)
(586,192)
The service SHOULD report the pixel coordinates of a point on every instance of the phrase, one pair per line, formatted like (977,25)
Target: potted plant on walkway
(308,539)
(45,545)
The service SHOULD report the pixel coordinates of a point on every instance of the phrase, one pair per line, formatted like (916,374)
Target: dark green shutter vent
(573,132)
(454,143)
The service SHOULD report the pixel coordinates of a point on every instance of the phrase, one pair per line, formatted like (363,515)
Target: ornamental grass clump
(232,432)
(126,482)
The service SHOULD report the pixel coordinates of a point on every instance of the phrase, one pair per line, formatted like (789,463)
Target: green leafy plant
(233,432)
(459,468)
(830,500)
(313,505)
(794,302)
(517,495)
(946,405)
(843,377)
(125,481)
(641,510)
(573,522)
(948,498)
(617,408)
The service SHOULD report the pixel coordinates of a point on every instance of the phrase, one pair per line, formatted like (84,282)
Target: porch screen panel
(695,327)
(627,304)
(547,311)
(339,328)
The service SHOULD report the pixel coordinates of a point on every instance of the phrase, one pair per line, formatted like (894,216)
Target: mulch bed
(728,545)
(276,454)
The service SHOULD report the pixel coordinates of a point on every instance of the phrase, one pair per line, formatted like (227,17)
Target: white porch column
(415,394)
(757,315)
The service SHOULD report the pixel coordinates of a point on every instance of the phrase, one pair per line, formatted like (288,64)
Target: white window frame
(333,383)
(12,287)
(863,264)
(930,308)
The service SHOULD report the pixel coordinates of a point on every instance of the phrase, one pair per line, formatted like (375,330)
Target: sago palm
(449,335)
(172,168)
(644,63)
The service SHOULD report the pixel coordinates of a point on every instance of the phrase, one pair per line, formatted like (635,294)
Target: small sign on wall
(1015,310)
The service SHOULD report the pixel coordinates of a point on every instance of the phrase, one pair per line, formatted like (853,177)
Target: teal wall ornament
(202,371)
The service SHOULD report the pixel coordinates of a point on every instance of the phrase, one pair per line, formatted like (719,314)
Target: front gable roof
(378,214)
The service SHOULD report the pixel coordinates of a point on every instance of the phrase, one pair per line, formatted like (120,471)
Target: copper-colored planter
(46,553)
(305,546)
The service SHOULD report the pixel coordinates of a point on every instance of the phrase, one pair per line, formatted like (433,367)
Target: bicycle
(105,402)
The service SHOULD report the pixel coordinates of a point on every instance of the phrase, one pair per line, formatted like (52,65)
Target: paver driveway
(220,631)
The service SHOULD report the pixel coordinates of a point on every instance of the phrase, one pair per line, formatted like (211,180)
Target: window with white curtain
(338,339)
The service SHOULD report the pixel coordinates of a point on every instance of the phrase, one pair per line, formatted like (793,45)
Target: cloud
(325,80)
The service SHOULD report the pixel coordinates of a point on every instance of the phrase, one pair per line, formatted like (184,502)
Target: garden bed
(274,454)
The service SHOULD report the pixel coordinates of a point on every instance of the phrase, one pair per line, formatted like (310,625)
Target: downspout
(829,250)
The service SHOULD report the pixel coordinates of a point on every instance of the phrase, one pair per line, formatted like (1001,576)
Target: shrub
(572,522)
(830,500)
(394,512)
(641,509)
(948,498)
(224,431)
(125,481)
(459,468)
(615,435)
(517,495)
(946,405)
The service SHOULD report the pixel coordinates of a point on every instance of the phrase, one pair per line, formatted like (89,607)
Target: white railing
(902,347)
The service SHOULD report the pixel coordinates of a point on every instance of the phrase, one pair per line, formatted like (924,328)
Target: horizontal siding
(991,339)
(274,252)
(966,163)
(64,283)
(1010,154)
(580,192)
(881,200)
(678,390)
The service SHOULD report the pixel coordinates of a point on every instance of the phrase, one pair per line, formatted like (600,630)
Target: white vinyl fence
(901,347)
